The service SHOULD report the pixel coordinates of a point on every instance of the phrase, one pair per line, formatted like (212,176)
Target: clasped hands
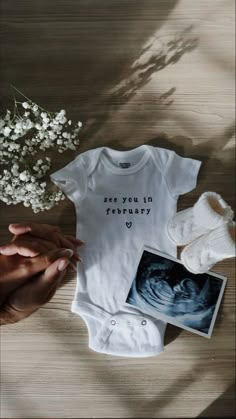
(32,266)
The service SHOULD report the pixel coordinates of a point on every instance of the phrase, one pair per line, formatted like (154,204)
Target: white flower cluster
(24,134)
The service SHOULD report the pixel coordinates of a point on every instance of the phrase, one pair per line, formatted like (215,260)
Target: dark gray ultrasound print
(167,287)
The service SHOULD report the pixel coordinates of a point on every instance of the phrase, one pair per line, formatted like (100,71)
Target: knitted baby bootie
(208,213)
(204,252)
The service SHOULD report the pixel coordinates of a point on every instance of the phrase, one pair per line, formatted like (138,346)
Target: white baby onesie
(123,200)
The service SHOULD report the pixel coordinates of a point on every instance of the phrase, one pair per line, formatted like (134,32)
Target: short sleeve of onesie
(181,174)
(72,179)
(123,201)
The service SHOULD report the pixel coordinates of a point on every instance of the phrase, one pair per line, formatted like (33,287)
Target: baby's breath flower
(25,105)
(22,136)
(24,176)
(2,123)
(6,131)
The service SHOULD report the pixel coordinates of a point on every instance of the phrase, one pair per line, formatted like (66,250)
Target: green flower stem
(50,113)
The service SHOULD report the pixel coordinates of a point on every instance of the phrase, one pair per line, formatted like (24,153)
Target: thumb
(54,274)
(20,269)
(17,270)
(51,278)
(33,294)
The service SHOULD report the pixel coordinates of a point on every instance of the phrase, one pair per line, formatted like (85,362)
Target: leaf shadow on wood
(154,58)
(223,405)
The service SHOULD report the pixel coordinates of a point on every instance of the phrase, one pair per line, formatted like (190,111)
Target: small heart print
(128,225)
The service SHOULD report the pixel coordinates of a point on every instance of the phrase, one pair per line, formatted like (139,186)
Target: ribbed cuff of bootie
(222,240)
(206,216)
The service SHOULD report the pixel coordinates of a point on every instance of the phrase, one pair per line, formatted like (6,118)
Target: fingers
(27,246)
(64,242)
(48,232)
(42,262)
(20,228)
(16,270)
(26,268)
(37,229)
(49,245)
(33,294)
(78,242)
(42,231)
(22,249)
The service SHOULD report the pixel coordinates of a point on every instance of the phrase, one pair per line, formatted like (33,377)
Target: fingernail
(73,266)
(62,265)
(78,257)
(17,225)
(67,253)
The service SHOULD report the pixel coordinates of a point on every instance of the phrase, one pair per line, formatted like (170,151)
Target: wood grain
(153,72)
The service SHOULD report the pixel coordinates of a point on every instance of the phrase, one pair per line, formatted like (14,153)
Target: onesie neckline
(118,154)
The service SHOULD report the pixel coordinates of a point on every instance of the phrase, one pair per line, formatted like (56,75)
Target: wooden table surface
(135,72)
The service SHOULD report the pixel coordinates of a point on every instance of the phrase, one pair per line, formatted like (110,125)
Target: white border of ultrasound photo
(169,319)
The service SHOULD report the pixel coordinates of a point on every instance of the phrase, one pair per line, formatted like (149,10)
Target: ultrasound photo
(165,289)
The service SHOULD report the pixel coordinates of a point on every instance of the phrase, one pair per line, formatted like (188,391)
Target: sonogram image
(166,287)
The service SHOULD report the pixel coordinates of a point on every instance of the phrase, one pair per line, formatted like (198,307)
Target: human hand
(31,239)
(26,283)
(29,271)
